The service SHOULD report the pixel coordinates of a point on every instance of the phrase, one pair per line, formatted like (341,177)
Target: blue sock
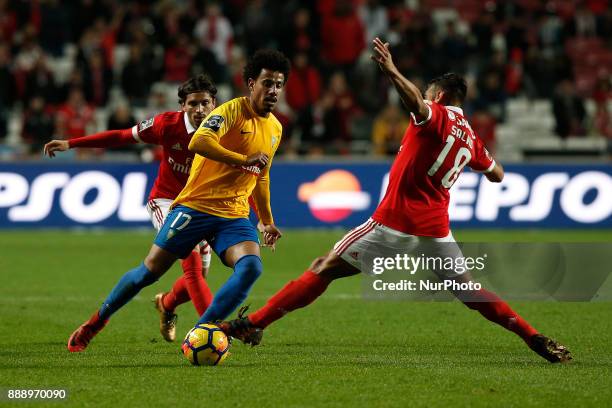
(129,285)
(235,290)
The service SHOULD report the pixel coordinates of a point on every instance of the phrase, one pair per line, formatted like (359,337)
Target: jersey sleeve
(434,122)
(149,130)
(218,122)
(482,161)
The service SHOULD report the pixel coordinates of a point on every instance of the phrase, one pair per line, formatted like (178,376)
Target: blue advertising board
(309,195)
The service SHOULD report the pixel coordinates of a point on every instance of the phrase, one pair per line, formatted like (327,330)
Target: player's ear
(439,96)
(251,84)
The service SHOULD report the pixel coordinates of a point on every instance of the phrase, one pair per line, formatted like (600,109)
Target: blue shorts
(184,228)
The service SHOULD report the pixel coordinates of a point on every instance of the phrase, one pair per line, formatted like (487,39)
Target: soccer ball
(206,344)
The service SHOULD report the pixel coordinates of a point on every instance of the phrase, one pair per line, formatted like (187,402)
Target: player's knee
(157,264)
(249,267)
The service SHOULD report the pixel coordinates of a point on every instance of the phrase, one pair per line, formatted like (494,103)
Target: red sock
(177,295)
(296,294)
(95,321)
(198,289)
(496,310)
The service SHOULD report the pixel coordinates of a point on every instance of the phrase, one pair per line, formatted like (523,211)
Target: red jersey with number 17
(172,131)
(432,155)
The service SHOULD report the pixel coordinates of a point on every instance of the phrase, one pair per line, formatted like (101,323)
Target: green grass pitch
(342,351)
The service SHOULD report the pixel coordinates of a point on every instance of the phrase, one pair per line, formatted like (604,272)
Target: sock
(129,285)
(296,294)
(496,310)
(96,322)
(246,271)
(177,295)
(191,285)
(198,289)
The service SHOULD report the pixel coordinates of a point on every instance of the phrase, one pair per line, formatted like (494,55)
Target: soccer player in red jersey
(436,147)
(172,131)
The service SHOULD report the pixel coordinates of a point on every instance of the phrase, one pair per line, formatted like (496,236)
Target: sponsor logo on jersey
(334,195)
(145,124)
(214,122)
(274,140)
(255,170)
(180,167)
(354,255)
(177,147)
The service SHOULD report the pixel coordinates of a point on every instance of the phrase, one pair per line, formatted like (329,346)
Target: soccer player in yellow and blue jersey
(234,148)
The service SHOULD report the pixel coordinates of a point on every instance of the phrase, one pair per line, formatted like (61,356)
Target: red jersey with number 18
(432,155)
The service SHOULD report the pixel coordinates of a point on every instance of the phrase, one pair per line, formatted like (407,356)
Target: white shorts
(361,245)
(158,209)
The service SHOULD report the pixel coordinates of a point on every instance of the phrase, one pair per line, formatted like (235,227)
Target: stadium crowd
(64,65)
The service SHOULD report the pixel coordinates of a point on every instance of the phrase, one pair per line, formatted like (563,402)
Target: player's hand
(56,146)
(271,234)
(258,159)
(260,227)
(382,55)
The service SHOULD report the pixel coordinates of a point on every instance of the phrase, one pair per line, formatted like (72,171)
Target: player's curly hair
(266,59)
(198,83)
(453,85)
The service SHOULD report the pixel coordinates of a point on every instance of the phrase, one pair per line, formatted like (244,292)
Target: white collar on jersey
(455,109)
(190,129)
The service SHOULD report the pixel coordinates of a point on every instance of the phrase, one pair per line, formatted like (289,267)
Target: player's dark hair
(199,83)
(266,59)
(453,85)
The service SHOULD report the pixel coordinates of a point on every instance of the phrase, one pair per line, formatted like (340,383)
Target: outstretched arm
(109,138)
(409,93)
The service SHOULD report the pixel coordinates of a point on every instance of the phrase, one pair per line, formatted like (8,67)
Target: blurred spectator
(491,88)
(40,81)
(258,24)
(482,30)
(602,95)
(583,24)
(122,118)
(74,117)
(454,47)
(302,91)
(569,110)
(75,80)
(550,34)
(339,107)
(484,123)
(388,130)
(7,89)
(299,35)
(25,59)
(158,101)
(514,48)
(86,12)
(8,22)
(374,18)
(178,59)
(37,127)
(137,76)
(214,32)
(55,26)
(342,37)
(98,79)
